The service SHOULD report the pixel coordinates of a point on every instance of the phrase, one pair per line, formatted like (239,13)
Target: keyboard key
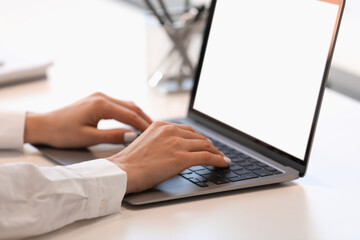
(236,179)
(229,175)
(252,167)
(190,175)
(225,174)
(249,175)
(221,170)
(196,168)
(202,184)
(243,177)
(242,171)
(271,169)
(262,172)
(202,172)
(261,164)
(215,178)
(253,160)
(232,155)
(194,180)
(243,155)
(202,179)
(277,172)
(226,152)
(197,179)
(245,163)
(226,148)
(233,167)
(238,158)
(209,167)
(187,171)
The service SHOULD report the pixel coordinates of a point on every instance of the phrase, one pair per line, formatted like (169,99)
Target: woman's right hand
(163,151)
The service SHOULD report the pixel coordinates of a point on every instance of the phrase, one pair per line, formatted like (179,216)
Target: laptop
(257,94)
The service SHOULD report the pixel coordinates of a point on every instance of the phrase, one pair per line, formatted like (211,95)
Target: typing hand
(163,151)
(75,126)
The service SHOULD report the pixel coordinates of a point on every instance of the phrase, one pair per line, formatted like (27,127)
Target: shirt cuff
(12,126)
(105,184)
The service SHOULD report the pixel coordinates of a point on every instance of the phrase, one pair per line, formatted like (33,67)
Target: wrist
(115,160)
(35,128)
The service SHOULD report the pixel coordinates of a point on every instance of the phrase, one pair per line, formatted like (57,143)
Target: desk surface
(100,51)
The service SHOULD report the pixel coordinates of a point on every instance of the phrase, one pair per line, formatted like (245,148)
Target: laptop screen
(264,66)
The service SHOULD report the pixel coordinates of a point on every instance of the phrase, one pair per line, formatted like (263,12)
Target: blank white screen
(263,68)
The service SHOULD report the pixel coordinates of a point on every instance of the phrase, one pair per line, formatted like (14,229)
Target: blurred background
(164,48)
(345,74)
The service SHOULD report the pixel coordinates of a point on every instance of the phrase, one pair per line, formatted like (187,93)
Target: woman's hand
(163,151)
(75,126)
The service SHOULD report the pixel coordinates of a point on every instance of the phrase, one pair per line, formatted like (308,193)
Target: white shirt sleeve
(12,127)
(35,200)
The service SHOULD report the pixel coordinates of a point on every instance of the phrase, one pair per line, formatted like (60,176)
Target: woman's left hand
(75,126)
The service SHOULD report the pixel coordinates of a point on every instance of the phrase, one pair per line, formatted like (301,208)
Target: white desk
(90,40)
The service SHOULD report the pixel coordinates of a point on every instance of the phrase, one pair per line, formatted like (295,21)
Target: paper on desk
(15,68)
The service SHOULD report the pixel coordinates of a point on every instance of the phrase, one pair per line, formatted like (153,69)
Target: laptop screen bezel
(245,139)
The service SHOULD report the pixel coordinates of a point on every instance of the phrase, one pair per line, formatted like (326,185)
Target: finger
(131,106)
(115,136)
(180,130)
(181,126)
(184,127)
(188,134)
(137,109)
(206,158)
(201,145)
(190,129)
(124,115)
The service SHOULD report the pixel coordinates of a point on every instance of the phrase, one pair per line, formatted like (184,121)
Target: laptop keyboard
(242,167)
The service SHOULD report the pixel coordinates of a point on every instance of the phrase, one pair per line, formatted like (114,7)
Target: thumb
(116,136)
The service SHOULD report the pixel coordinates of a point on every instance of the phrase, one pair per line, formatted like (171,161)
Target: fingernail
(227,160)
(130,137)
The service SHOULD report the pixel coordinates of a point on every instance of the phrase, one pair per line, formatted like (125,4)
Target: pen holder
(173,50)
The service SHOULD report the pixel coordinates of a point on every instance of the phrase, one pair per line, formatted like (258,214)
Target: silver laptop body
(258,89)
